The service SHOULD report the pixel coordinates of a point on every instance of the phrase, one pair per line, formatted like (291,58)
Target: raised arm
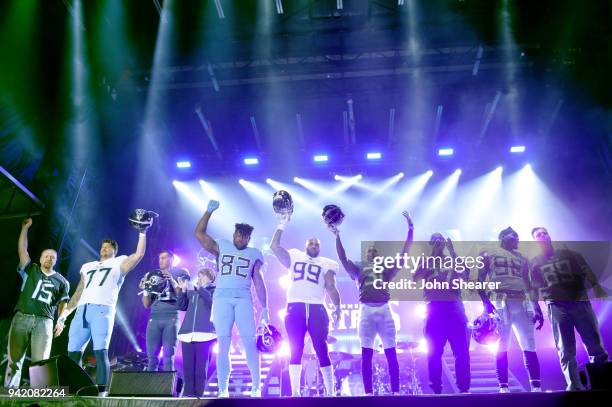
(261,290)
(134,258)
(206,241)
(334,295)
(407,243)
(348,265)
(22,244)
(280,252)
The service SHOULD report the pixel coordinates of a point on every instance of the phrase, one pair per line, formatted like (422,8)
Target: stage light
(493,346)
(176,261)
(337,177)
(320,158)
(499,169)
(421,311)
(296,179)
(423,348)
(208,190)
(374,156)
(284,281)
(446,152)
(268,181)
(284,350)
(241,181)
(400,175)
(458,171)
(528,167)
(429,173)
(517,149)
(183,164)
(251,161)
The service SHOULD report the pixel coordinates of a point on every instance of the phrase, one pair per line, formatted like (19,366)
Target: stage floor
(552,399)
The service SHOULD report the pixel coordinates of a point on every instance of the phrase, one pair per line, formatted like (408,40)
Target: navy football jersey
(560,277)
(41,293)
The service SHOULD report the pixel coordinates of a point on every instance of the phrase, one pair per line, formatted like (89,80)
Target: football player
(311,276)
(237,266)
(42,292)
(515,305)
(375,314)
(562,276)
(95,301)
(162,328)
(446,319)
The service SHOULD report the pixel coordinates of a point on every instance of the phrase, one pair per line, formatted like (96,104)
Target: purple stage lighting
(374,156)
(251,161)
(183,164)
(446,152)
(517,149)
(321,158)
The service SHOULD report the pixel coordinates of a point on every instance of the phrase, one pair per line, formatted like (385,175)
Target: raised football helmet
(485,328)
(142,219)
(268,339)
(282,203)
(332,216)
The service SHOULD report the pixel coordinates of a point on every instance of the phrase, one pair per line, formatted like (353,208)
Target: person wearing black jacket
(197,333)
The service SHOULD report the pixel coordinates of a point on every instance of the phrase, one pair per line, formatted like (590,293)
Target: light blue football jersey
(235,269)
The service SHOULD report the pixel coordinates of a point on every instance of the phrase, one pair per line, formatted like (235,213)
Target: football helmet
(485,328)
(282,203)
(142,219)
(268,339)
(154,282)
(332,216)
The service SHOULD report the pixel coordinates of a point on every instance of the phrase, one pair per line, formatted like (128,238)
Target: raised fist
(212,206)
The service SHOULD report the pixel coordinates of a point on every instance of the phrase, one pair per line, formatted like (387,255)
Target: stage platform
(552,399)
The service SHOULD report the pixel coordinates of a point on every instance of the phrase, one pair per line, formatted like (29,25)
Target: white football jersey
(103,280)
(307,277)
(510,269)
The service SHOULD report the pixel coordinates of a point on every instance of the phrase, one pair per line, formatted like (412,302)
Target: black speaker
(142,384)
(62,371)
(600,375)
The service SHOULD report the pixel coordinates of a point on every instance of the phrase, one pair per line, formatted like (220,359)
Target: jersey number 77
(105,271)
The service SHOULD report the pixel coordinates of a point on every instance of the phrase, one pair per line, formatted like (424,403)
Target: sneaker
(223,394)
(256,392)
(102,394)
(536,390)
(504,390)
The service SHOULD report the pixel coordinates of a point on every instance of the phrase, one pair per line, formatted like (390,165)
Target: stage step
(483,374)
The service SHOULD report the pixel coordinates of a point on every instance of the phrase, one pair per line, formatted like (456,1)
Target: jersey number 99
(310,272)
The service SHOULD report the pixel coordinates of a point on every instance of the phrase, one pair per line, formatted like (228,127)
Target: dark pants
(564,318)
(446,324)
(311,318)
(162,333)
(195,366)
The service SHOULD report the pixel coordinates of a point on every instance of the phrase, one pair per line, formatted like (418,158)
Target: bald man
(43,290)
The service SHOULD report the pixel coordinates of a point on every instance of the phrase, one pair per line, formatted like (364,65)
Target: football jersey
(40,293)
(307,277)
(103,280)
(510,269)
(166,303)
(368,294)
(560,277)
(235,269)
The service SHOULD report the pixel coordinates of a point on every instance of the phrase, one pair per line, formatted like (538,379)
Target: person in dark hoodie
(197,333)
